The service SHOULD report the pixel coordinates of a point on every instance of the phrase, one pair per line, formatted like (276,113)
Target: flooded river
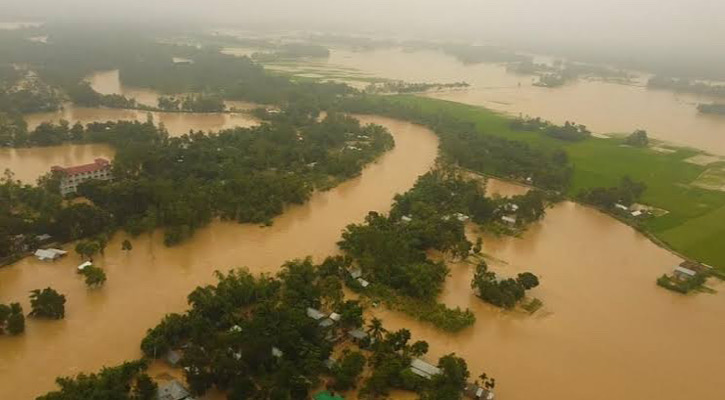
(177,123)
(603,107)
(104,327)
(606,330)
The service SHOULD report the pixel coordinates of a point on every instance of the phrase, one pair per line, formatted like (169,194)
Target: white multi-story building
(71,177)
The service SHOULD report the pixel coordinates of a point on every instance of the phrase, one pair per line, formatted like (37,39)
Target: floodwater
(28,164)
(605,331)
(105,326)
(603,107)
(177,123)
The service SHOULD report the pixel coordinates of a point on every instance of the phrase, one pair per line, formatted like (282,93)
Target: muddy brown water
(605,331)
(603,107)
(177,123)
(104,327)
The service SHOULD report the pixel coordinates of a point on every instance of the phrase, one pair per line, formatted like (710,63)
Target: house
(173,357)
(277,352)
(326,323)
(621,207)
(314,314)
(476,392)
(181,61)
(44,238)
(509,220)
(461,217)
(357,335)
(406,219)
(173,390)
(235,329)
(355,273)
(363,282)
(49,254)
(83,266)
(695,266)
(512,207)
(422,368)
(71,177)
(684,273)
(329,363)
(637,213)
(335,317)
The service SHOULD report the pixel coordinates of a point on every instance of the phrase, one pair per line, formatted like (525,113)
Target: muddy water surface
(28,164)
(104,327)
(604,107)
(606,330)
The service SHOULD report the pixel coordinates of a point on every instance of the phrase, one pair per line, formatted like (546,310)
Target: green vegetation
(682,285)
(47,303)
(12,320)
(638,138)
(192,103)
(504,293)
(124,382)
(181,184)
(626,193)
(293,51)
(692,224)
(94,276)
(570,131)
(252,338)
(390,251)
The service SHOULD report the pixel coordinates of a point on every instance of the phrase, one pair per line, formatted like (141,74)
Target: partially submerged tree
(47,303)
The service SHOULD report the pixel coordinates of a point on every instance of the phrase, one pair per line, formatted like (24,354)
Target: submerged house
(476,392)
(424,369)
(683,273)
(173,390)
(314,314)
(509,220)
(49,254)
(83,266)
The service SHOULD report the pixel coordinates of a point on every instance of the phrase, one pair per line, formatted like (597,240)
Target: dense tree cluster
(462,143)
(638,138)
(94,276)
(203,103)
(242,174)
(627,192)
(124,382)
(12,320)
(505,292)
(251,336)
(570,131)
(47,303)
(83,94)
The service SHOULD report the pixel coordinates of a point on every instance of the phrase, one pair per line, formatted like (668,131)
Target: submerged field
(694,224)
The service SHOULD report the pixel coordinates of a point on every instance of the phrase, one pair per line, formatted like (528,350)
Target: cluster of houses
(428,371)
(634,212)
(356,274)
(689,269)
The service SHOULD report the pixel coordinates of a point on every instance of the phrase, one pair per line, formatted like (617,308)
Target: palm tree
(375,329)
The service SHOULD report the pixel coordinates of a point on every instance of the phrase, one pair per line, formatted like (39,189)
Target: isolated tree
(528,280)
(638,138)
(478,246)
(94,276)
(47,303)
(87,248)
(16,320)
(126,245)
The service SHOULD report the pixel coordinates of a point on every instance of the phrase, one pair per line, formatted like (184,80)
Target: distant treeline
(686,86)
(713,108)
(570,131)
(405,87)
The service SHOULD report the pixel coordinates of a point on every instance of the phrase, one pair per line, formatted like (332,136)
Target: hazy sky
(605,23)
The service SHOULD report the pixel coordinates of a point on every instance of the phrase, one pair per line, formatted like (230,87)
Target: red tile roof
(97,165)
